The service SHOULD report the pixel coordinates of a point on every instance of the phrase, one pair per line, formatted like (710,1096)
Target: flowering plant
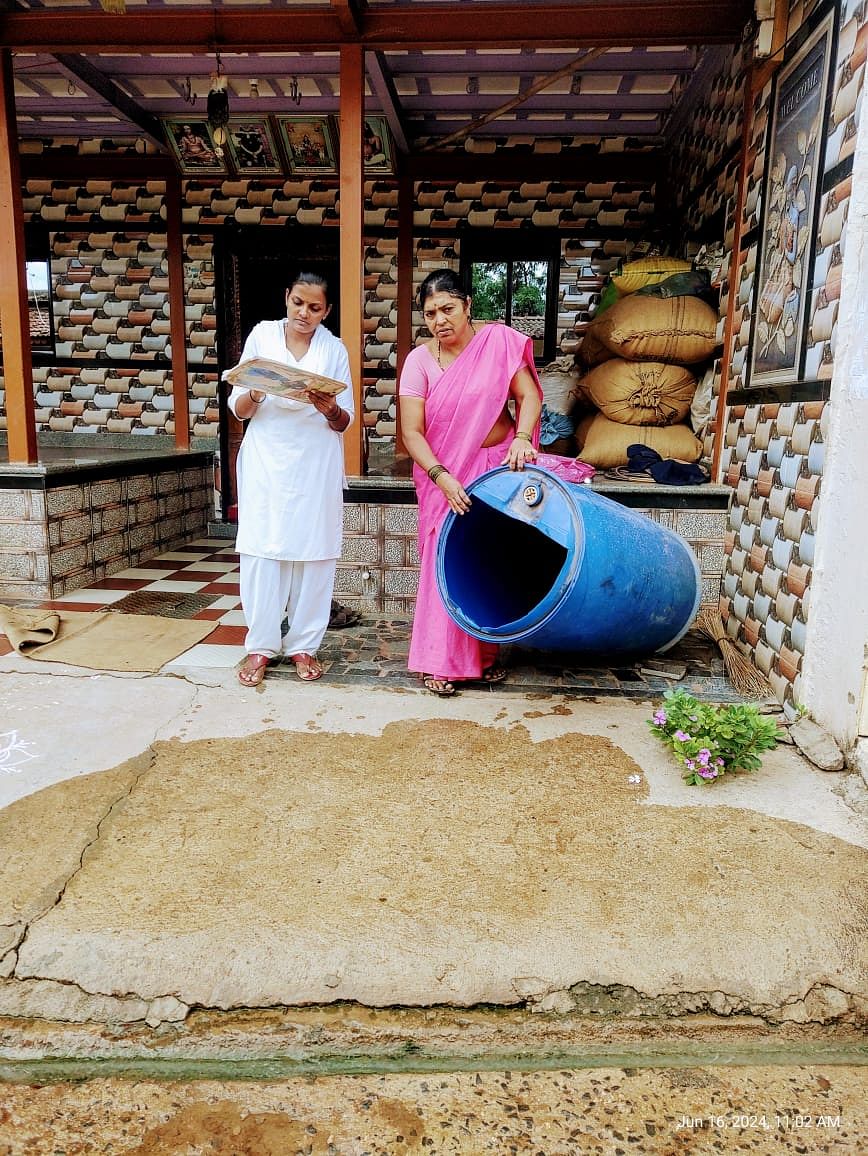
(710,740)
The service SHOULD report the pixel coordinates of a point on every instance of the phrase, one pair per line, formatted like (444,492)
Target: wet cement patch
(441,862)
(564,1113)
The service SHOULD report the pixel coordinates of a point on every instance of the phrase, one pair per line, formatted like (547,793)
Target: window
(39,304)
(515,280)
(37,263)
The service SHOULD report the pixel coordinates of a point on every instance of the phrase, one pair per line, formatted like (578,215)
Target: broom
(740,670)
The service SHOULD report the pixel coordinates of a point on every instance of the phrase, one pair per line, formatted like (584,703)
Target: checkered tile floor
(207,566)
(374,652)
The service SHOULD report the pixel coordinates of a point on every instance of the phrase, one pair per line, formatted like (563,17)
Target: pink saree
(461,408)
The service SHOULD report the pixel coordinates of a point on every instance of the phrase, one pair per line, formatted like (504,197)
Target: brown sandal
(306,666)
(442,687)
(253,671)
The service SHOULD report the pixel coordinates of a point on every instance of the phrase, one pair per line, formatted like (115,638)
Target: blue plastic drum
(555,566)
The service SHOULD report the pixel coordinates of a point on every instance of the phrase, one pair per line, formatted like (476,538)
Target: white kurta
(290,466)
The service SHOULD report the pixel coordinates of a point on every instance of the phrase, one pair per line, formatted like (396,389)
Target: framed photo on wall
(252,147)
(377,145)
(193,147)
(793,176)
(310,143)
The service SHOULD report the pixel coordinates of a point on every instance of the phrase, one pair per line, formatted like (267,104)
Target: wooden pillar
(352,192)
(405,281)
(177,327)
(14,312)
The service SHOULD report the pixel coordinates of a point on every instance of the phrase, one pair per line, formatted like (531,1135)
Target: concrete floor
(175,846)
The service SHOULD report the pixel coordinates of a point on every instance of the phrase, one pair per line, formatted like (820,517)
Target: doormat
(166,603)
(100,640)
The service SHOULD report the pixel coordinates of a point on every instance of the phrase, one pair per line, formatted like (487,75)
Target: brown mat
(167,603)
(101,640)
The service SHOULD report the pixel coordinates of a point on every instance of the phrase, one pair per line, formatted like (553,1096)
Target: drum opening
(497,568)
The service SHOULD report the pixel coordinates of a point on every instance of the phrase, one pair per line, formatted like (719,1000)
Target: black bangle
(338,414)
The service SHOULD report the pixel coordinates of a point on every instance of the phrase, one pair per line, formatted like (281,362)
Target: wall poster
(790,205)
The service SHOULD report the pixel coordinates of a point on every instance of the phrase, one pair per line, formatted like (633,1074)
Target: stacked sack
(559,381)
(650,325)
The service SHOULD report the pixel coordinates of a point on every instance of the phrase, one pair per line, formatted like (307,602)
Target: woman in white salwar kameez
(290,472)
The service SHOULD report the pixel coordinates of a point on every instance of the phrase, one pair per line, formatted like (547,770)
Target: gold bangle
(523,436)
(435,472)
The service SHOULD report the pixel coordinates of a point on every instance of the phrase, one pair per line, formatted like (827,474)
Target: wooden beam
(538,85)
(384,90)
(14,312)
(349,14)
(438,26)
(177,327)
(404,271)
(568,166)
(83,72)
(352,194)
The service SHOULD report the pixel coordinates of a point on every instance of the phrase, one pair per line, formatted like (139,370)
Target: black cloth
(667,471)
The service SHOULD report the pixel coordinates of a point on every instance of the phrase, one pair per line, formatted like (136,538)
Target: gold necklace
(439,362)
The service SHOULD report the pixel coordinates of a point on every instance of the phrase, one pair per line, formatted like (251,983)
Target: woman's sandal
(442,687)
(306,667)
(253,671)
(494,673)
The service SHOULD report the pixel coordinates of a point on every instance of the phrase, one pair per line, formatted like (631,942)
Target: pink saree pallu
(462,407)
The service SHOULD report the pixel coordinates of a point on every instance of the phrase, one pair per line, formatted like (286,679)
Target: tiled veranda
(375,651)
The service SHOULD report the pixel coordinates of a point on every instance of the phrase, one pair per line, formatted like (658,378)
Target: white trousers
(300,591)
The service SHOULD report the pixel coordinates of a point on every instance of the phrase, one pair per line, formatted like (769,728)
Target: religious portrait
(792,183)
(310,144)
(252,148)
(193,148)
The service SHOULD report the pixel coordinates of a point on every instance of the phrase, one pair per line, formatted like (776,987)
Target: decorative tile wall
(66,536)
(773,454)
(109,266)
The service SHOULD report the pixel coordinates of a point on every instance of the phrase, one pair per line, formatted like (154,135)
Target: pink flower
(659,717)
(708,772)
(682,736)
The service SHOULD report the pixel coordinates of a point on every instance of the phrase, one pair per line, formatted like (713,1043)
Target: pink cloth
(461,408)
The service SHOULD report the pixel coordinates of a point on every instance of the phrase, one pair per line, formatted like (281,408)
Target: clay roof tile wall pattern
(773,455)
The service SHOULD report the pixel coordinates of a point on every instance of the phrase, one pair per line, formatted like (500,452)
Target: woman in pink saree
(456,424)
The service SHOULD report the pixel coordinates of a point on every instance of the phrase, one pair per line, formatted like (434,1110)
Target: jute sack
(640,392)
(558,381)
(603,443)
(635,275)
(591,350)
(639,328)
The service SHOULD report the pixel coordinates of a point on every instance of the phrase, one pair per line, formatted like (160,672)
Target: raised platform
(80,515)
(378,572)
